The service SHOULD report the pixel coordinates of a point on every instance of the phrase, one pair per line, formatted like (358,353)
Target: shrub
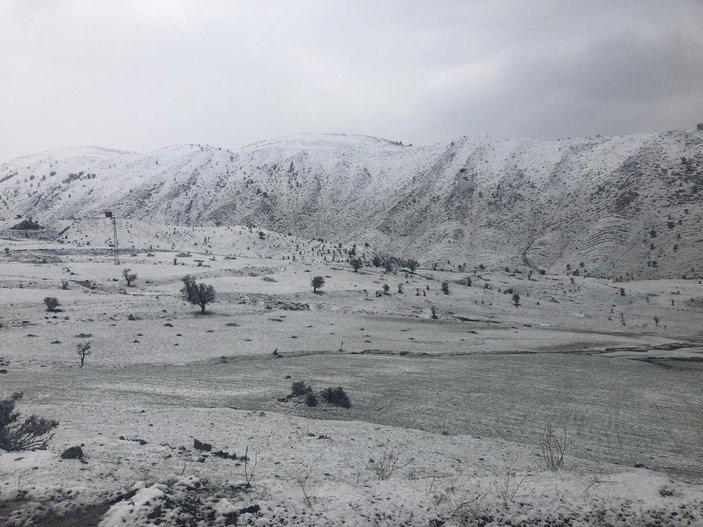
(311,399)
(300,388)
(31,434)
(336,396)
(51,303)
(129,276)
(552,447)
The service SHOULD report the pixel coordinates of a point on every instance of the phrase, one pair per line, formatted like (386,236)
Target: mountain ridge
(475,199)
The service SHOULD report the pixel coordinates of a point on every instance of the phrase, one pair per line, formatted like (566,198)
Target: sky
(143,74)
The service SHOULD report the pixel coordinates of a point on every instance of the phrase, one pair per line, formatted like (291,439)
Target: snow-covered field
(446,412)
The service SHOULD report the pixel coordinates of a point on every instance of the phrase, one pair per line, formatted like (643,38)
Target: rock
(199,445)
(224,455)
(74,452)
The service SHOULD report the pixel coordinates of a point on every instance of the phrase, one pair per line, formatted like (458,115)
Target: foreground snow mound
(181,503)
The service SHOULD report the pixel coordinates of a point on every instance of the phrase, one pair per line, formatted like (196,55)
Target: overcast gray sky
(142,74)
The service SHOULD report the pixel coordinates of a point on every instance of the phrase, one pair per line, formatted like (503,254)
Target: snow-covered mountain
(629,205)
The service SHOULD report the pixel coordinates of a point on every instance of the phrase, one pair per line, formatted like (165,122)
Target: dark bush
(29,435)
(311,399)
(336,396)
(51,303)
(300,388)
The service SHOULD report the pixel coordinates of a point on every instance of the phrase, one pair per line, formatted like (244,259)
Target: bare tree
(83,350)
(249,471)
(552,446)
(129,276)
(301,477)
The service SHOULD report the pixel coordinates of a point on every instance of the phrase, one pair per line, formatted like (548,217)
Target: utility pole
(115,246)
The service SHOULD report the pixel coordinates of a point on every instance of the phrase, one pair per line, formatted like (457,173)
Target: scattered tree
(203,295)
(412,265)
(52,303)
(28,435)
(356,263)
(83,350)
(129,277)
(445,287)
(197,294)
(386,288)
(434,312)
(317,282)
(656,321)
(516,299)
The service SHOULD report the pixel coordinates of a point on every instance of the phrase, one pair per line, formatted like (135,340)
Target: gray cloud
(141,75)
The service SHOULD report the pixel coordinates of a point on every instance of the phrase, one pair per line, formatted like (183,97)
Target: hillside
(621,206)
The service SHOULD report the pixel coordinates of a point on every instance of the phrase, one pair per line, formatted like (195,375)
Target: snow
(446,413)
(460,399)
